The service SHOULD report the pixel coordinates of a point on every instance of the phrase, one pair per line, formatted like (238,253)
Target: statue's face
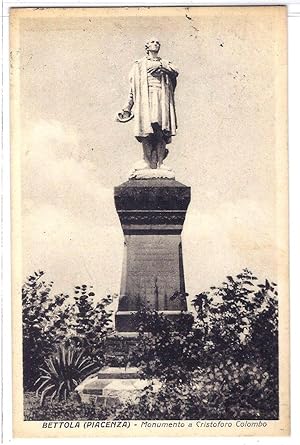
(153,45)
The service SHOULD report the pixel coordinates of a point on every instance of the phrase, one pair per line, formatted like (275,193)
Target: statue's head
(152,45)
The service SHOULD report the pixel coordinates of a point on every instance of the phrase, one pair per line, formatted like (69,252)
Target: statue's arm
(126,110)
(170,68)
(130,102)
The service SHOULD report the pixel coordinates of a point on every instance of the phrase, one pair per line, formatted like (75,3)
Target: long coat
(139,97)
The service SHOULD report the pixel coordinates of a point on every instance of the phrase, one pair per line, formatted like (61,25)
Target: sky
(73,79)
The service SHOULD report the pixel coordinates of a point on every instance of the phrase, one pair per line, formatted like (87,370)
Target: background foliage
(52,321)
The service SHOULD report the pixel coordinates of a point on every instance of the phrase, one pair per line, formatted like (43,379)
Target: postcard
(149,221)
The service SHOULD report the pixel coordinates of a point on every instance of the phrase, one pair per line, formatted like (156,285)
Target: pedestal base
(112,385)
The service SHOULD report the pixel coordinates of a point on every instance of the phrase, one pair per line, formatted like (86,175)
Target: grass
(71,409)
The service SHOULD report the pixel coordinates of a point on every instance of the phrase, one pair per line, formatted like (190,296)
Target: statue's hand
(164,70)
(153,69)
(155,66)
(158,71)
(124,116)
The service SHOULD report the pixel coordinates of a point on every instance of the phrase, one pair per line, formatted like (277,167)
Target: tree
(44,324)
(89,323)
(50,322)
(240,319)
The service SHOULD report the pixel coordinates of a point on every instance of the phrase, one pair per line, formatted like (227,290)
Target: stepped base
(112,385)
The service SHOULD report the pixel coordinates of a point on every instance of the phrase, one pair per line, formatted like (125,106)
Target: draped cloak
(140,96)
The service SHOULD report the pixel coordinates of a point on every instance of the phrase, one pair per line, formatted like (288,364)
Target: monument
(151,206)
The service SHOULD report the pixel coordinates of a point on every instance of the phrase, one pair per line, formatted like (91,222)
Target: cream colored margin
(34,429)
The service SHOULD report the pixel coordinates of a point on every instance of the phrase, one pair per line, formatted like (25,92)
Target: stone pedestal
(152,214)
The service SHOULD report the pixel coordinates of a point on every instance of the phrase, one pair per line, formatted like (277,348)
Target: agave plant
(62,372)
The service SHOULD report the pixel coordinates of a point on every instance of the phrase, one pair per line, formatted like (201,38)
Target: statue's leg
(161,152)
(150,153)
(154,158)
(160,145)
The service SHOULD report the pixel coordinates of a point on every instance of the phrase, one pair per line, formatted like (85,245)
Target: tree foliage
(166,349)
(44,324)
(51,321)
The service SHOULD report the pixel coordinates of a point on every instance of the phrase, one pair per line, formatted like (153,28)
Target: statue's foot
(141,165)
(163,166)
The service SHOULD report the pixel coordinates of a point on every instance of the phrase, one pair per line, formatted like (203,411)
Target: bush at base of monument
(167,350)
(233,391)
(223,366)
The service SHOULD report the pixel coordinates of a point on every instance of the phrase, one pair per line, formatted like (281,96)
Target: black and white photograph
(150,221)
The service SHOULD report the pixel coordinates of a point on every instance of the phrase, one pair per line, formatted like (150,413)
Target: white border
(294,182)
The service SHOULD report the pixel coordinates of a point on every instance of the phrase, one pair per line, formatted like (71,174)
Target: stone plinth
(152,214)
(112,385)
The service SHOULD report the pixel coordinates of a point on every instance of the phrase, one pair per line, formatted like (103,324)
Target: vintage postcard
(149,221)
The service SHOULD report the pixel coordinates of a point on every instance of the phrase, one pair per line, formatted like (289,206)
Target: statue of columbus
(152,85)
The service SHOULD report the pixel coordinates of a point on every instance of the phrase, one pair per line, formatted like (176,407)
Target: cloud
(72,250)
(55,171)
(70,227)
(228,238)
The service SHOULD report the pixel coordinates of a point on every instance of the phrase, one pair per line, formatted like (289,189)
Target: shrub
(62,372)
(220,364)
(44,324)
(49,321)
(89,323)
(229,391)
(240,319)
(167,350)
